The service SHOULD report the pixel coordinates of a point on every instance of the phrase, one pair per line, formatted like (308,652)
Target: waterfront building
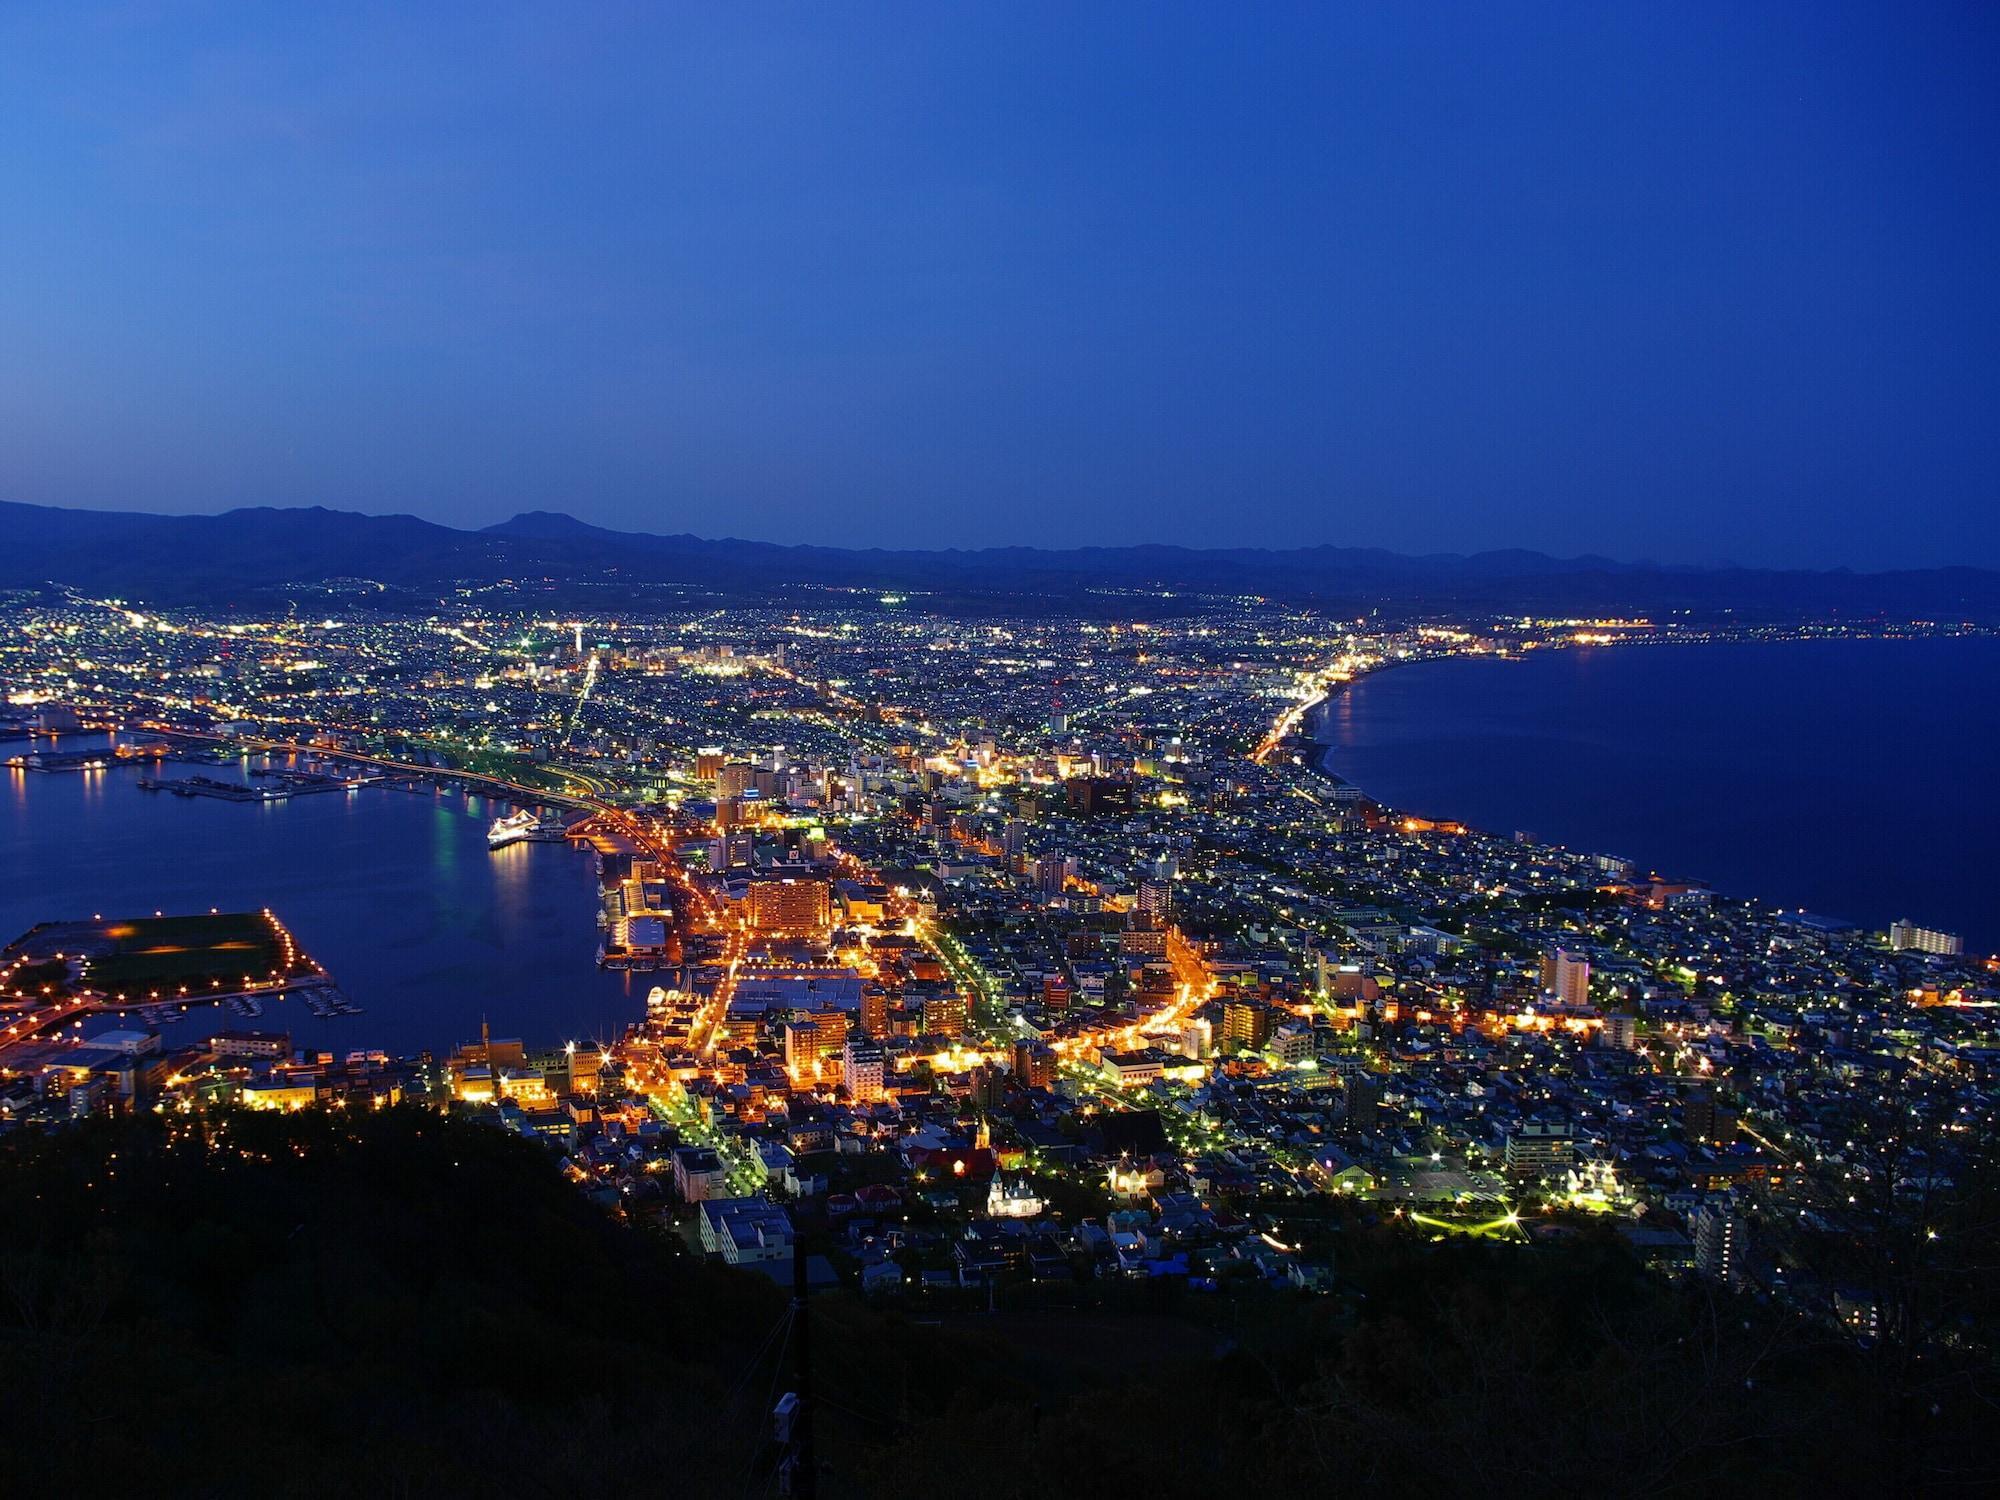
(264,1044)
(279,1092)
(1905,936)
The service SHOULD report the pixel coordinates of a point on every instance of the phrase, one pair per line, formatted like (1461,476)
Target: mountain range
(245,557)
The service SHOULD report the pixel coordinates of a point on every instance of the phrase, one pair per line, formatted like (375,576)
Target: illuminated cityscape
(1052,928)
(999,751)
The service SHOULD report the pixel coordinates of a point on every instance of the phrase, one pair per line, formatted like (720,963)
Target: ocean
(394,892)
(1857,778)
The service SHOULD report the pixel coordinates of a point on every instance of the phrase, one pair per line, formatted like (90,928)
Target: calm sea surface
(1860,779)
(395,892)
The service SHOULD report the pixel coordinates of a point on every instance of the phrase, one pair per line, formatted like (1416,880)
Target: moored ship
(525,825)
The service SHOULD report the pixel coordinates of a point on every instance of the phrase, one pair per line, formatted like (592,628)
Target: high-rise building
(945,1015)
(1907,935)
(809,1041)
(1155,903)
(586,1066)
(1707,1119)
(790,906)
(863,1070)
(1034,1064)
(1621,1031)
(1097,796)
(1142,942)
(699,1174)
(1364,1097)
(734,778)
(1566,976)
(1246,1025)
(874,1010)
(1721,1242)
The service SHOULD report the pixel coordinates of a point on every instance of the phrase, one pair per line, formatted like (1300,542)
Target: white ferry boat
(525,825)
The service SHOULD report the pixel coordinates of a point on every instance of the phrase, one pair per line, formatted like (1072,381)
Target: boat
(526,826)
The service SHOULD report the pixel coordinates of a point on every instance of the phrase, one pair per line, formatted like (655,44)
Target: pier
(90,760)
(294,784)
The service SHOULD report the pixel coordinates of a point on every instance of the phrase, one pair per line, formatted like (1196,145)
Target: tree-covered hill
(405,1303)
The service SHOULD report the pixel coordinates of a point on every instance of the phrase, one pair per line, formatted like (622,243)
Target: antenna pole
(805,1478)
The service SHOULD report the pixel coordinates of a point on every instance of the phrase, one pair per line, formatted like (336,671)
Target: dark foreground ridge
(407,1303)
(253,555)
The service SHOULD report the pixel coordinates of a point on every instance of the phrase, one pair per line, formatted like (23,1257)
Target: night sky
(1691,282)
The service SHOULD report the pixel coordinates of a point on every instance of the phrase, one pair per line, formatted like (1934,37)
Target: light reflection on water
(395,892)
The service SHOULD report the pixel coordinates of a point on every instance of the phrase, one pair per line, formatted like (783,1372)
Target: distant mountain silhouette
(242,556)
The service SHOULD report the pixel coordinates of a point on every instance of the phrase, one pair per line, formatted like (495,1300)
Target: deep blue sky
(1673,280)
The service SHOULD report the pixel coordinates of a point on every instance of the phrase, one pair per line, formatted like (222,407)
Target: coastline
(400,897)
(1313,721)
(1746,813)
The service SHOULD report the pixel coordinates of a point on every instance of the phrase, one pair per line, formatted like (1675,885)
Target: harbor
(419,920)
(289,784)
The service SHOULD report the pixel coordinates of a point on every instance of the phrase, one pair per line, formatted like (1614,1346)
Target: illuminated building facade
(1906,936)
(863,1069)
(945,1015)
(1540,1150)
(1246,1025)
(1566,977)
(789,906)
